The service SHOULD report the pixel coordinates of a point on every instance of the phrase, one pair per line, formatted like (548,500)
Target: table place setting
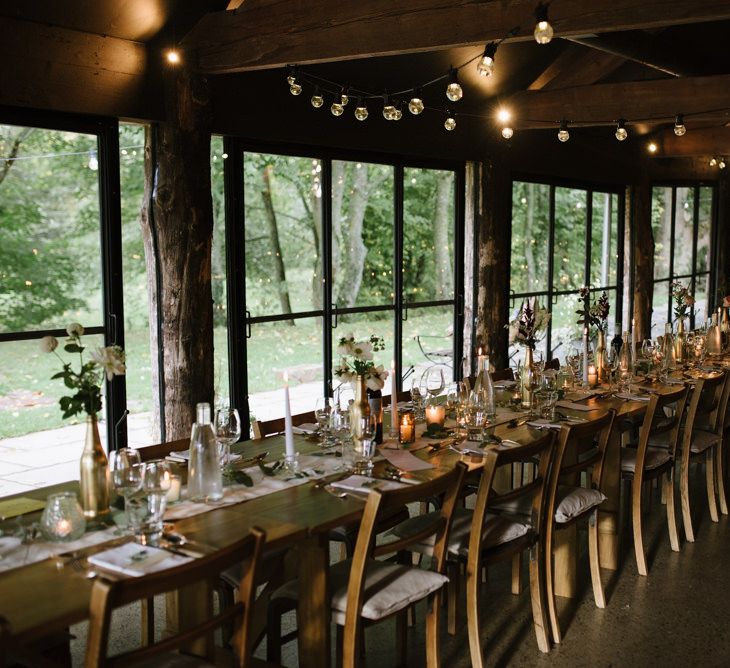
(136,560)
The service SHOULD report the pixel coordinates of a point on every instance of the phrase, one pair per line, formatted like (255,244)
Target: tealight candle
(592,376)
(173,494)
(407,430)
(435,414)
(63,528)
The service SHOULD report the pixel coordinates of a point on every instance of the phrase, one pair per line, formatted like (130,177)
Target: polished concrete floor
(677,616)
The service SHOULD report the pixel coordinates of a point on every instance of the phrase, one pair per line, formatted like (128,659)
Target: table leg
(608,513)
(313,614)
(187,607)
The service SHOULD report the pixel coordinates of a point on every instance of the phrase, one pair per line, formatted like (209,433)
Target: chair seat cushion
(389,587)
(701,440)
(498,529)
(655,457)
(574,501)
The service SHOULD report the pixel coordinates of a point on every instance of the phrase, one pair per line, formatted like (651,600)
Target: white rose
(74,329)
(48,344)
(111,359)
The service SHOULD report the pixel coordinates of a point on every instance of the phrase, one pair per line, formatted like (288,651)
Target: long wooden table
(40,598)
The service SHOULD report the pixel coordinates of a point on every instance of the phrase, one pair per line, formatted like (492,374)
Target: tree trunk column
(177,227)
(722,264)
(643,257)
(493,222)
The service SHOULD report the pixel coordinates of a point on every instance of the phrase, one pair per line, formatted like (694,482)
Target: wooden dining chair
(723,431)
(264,428)
(368,589)
(649,461)
(108,594)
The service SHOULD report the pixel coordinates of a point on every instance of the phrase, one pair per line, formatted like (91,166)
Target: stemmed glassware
(432,381)
(366,427)
(126,473)
(340,428)
(322,410)
(156,482)
(227,432)
(418,399)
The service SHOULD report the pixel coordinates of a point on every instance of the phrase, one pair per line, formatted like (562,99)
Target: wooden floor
(678,616)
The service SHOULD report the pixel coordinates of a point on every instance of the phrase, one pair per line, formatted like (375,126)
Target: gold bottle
(94,478)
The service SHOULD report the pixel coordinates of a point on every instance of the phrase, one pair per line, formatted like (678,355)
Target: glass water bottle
(205,482)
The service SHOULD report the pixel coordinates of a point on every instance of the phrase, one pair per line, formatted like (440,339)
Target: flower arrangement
(683,300)
(356,359)
(530,323)
(596,314)
(86,381)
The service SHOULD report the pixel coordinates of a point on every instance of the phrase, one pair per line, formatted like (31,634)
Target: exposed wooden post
(643,259)
(177,226)
(470,182)
(722,264)
(493,222)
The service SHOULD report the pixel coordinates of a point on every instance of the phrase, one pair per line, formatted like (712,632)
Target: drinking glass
(363,455)
(126,474)
(548,405)
(340,428)
(418,399)
(322,410)
(432,381)
(227,432)
(156,480)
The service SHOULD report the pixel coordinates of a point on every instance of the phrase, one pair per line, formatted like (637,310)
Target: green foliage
(87,382)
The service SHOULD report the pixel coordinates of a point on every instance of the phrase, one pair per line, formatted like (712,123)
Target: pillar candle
(592,376)
(585,355)
(633,340)
(393,401)
(436,414)
(288,427)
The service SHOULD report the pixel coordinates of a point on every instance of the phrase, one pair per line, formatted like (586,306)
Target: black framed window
(683,225)
(563,238)
(324,244)
(61,263)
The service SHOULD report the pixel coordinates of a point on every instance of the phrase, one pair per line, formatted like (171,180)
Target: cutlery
(514,423)
(250,460)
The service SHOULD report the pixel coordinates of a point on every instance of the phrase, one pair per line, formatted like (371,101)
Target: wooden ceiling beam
(576,66)
(263,34)
(702,142)
(602,104)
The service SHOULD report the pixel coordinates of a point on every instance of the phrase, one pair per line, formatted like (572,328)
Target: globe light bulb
(453,90)
(621,133)
(295,89)
(173,56)
(450,122)
(388,111)
(507,132)
(415,106)
(337,109)
(361,111)
(721,164)
(291,78)
(652,147)
(397,113)
(543,32)
(504,116)
(713,162)
(317,99)
(679,127)
(485,66)
(344,97)
(563,134)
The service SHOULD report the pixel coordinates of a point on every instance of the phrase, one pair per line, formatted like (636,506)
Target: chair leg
(595,561)
(636,494)
(710,483)
(351,643)
(517,574)
(273,633)
(537,598)
(401,638)
(720,477)
(473,585)
(433,645)
(550,587)
(452,596)
(689,533)
(668,491)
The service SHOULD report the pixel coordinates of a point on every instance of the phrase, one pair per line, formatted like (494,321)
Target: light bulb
(415,106)
(317,99)
(450,122)
(485,66)
(173,56)
(397,113)
(453,90)
(295,89)
(504,116)
(652,147)
(543,32)
(361,111)
(621,133)
(507,132)
(563,134)
(344,97)
(679,127)
(388,111)
(337,109)
(291,78)
(713,162)
(721,164)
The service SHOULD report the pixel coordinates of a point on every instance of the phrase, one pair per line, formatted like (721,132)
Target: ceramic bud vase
(680,343)
(359,409)
(601,357)
(526,380)
(94,478)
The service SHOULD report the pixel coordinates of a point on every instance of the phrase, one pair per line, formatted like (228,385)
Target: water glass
(418,399)
(340,429)
(147,506)
(322,410)
(550,400)
(126,474)
(364,452)
(227,432)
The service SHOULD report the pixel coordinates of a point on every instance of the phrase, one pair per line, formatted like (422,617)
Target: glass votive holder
(407,428)
(62,519)
(435,414)
(173,494)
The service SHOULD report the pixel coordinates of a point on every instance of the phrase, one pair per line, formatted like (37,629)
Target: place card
(404,460)
(19,506)
(137,560)
(361,484)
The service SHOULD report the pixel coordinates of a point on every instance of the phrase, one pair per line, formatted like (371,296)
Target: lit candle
(585,355)
(288,427)
(63,528)
(481,360)
(592,376)
(435,414)
(393,402)
(173,494)
(407,429)
(633,339)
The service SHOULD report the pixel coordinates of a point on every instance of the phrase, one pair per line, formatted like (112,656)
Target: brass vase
(94,478)
(601,357)
(527,375)
(359,409)
(680,343)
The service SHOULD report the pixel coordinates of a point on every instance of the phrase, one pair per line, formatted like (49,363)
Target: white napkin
(404,460)
(632,397)
(136,560)
(544,424)
(574,406)
(8,544)
(362,484)
(184,456)
(305,428)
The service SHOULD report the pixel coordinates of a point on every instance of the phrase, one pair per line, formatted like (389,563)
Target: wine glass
(126,470)
(227,432)
(340,428)
(432,381)
(366,428)
(156,481)
(322,410)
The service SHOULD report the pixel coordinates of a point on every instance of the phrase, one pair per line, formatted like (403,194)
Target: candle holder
(173,494)
(291,463)
(63,519)
(435,414)
(407,428)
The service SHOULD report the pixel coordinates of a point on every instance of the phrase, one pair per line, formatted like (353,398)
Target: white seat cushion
(389,587)
(655,457)
(498,530)
(574,501)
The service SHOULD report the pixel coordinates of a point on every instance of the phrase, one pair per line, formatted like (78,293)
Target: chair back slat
(108,594)
(710,400)
(264,428)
